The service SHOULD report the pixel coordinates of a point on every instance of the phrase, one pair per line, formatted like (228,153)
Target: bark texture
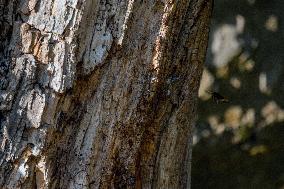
(99,93)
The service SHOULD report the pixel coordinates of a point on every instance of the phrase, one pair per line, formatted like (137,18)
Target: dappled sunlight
(257,150)
(225,44)
(263,86)
(245,63)
(271,23)
(242,141)
(205,85)
(233,116)
(235,82)
(272,113)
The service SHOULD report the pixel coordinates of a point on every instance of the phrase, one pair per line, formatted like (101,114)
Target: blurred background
(240,144)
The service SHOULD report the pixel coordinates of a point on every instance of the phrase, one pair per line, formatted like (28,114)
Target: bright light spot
(271,23)
(271,112)
(226,44)
(235,82)
(223,72)
(22,169)
(240,23)
(263,86)
(249,65)
(249,117)
(205,85)
(260,149)
(233,116)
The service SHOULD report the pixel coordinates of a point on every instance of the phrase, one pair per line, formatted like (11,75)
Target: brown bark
(99,94)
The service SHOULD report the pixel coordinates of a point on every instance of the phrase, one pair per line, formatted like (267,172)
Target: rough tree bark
(99,93)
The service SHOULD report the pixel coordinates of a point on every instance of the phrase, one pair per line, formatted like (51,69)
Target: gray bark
(99,94)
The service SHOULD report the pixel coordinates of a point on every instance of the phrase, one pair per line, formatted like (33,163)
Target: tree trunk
(99,94)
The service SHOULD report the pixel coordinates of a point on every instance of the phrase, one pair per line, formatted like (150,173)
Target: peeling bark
(99,94)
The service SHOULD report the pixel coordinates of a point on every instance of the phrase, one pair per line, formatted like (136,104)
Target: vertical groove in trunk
(99,94)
